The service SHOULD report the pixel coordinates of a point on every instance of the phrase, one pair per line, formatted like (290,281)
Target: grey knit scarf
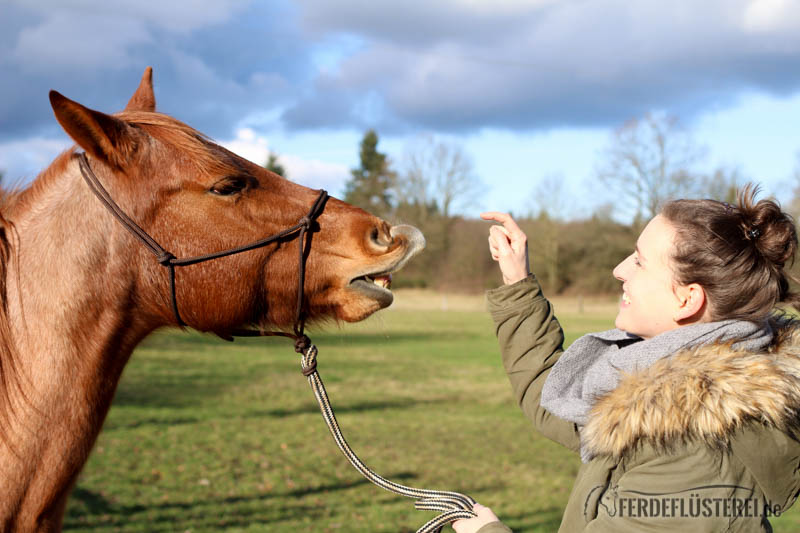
(591,366)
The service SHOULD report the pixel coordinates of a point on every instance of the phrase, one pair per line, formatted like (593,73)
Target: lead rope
(452,505)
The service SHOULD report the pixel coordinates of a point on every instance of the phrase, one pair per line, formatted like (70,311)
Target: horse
(79,292)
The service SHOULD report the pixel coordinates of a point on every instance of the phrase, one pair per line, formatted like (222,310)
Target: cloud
(313,173)
(249,145)
(451,65)
(214,62)
(35,51)
(771,15)
(454,65)
(22,160)
(86,34)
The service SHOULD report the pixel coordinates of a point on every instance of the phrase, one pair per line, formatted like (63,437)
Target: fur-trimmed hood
(703,394)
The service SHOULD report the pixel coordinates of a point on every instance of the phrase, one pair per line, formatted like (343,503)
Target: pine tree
(274,166)
(371,183)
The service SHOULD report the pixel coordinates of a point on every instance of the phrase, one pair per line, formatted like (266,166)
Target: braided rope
(452,505)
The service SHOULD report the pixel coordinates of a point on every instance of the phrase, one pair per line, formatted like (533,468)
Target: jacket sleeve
(531,341)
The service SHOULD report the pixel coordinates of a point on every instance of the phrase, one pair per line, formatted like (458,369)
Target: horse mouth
(374,286)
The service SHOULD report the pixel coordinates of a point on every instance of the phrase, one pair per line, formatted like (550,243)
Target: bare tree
(723,184)
(438,174)
(437,182)
(548,197)
(547,205)
(649,160)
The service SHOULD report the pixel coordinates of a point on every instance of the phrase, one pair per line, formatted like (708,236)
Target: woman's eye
(636,262)
(229,186)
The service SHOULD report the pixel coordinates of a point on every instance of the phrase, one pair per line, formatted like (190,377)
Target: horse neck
(72,307)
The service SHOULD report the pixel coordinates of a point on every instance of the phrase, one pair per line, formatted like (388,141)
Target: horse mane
(9,376)
(14,200)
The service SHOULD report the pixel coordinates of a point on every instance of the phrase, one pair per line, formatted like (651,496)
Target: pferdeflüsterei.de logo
(704,501)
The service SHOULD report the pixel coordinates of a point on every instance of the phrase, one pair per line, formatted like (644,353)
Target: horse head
(195,197)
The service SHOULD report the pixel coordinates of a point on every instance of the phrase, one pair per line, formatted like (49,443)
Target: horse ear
(103,136)
(143,99)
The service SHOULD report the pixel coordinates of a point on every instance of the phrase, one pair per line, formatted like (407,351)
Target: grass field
(210,436)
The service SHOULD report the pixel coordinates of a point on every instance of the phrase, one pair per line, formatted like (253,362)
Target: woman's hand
(509,247)
(471,525)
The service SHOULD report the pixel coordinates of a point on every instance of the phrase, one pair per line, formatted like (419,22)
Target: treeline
(569,257)
(573,257)
(648,161)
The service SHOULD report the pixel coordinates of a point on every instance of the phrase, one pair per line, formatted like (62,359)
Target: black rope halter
(168,260)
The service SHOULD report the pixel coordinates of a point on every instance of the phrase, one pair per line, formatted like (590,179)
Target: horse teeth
(382,281)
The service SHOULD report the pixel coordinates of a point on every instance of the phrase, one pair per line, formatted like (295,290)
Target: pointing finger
(504,218)
(495,215)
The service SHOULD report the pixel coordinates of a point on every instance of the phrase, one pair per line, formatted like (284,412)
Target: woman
(685,416)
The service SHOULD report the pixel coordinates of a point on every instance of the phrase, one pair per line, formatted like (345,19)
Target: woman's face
(649,303)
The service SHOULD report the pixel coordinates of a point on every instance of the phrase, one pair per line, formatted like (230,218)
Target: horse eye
(229,186)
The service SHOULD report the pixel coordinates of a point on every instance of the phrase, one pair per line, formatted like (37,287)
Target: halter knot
(164,258)
(301,344)
(305,222)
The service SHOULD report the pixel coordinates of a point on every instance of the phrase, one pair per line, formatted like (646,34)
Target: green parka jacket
(700,441)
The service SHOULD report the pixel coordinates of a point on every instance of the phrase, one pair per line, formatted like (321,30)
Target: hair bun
(770,229)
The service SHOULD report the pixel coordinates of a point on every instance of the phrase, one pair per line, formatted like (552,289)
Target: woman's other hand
(471,525)
(509,247)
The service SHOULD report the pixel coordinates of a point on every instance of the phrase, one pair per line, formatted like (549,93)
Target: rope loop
(310,369)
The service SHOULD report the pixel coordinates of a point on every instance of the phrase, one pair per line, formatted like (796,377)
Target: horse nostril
(381,235)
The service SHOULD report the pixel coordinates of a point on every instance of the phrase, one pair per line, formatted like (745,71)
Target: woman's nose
(619,270)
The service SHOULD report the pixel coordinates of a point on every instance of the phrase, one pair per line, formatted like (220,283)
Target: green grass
(210,436)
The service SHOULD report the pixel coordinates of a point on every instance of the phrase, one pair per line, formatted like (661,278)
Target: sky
(531,90)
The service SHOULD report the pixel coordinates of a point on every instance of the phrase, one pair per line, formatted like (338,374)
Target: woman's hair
(738,254)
